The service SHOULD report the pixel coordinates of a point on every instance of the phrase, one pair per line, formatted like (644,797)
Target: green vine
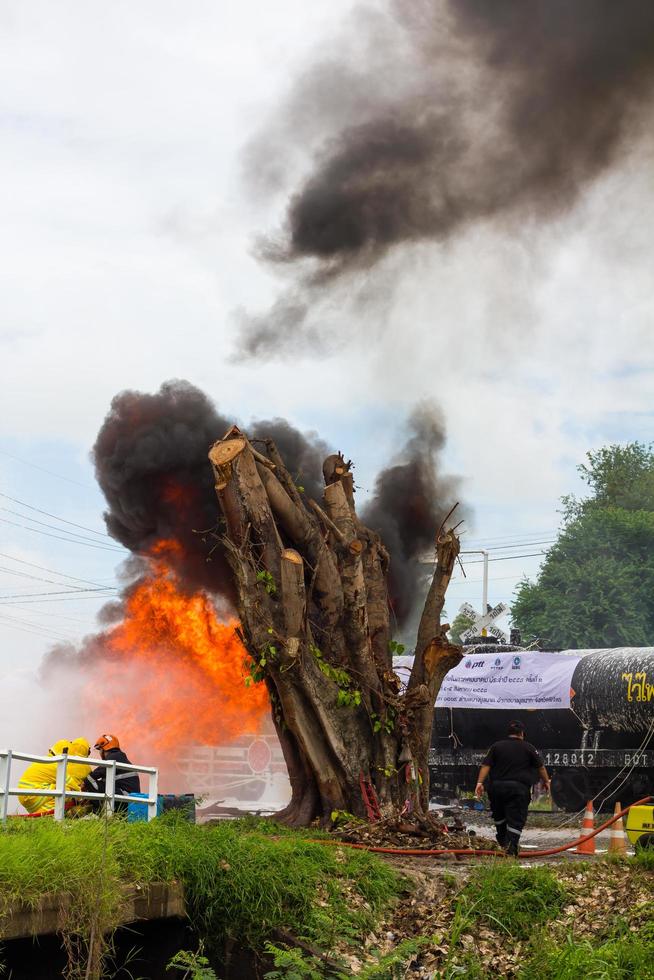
(348,696)
(388,724)
(256,668)
(268,582)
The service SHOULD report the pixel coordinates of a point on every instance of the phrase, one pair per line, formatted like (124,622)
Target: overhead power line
(520,544)
(72,534)
(66,598)
(86,486)
(56,517)
(16,573)
(472,581)
(53,571)
(32,632)
(30,624)
(483,542)
(480,561)
(88,624)
(59,537)
(30,595)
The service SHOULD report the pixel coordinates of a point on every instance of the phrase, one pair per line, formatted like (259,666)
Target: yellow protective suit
(43,775)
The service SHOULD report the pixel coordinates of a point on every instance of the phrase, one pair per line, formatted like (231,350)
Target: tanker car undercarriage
(577,775)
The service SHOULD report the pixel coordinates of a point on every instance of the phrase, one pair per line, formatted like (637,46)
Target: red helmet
(106,742)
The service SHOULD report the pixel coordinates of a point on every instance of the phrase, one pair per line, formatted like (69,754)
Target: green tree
(596,585)
(461,623)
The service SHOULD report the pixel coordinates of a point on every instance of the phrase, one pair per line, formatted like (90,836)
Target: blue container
(137,812)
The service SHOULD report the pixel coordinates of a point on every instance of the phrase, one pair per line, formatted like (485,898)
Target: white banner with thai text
(504,680)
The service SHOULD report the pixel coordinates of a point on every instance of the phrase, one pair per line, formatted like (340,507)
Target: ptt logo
(516,663)
(468,664)
(473,664)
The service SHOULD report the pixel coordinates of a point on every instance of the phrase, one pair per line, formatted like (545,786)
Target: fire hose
(43,813)
(471,852)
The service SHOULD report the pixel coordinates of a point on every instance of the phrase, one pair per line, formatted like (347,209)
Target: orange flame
(172,674)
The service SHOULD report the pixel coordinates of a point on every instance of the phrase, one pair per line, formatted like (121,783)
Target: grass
(506,899)
(644,858)
(511,897)
(242,879)
(625,956)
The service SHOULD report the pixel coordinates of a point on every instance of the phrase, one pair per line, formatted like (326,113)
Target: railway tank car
(603,743)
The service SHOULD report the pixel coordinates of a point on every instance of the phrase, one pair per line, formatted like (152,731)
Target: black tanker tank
(614,691)
(603,744)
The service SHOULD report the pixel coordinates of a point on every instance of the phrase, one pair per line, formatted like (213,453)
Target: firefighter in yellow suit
(43,775)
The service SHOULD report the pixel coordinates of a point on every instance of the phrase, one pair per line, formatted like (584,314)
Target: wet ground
(563,828)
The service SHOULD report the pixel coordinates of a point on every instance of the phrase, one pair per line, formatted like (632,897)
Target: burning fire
(171,674)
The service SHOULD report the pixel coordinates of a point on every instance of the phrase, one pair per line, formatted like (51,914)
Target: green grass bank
(243,880)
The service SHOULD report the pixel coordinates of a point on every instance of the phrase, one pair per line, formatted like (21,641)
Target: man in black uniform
(127,781)
(512,766)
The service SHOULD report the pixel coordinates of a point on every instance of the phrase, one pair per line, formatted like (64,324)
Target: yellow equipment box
(640,826)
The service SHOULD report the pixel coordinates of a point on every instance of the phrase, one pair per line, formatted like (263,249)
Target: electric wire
(31,564)
(86,486)
(570,818)
(66,598)
(70,535)
(56,517)
(26,595)
(70,540)
(31,632)
(35,578)
(88,623)
(533,554)
(510,547)
(635,762)
(53,527)
(30,624)
(481,542)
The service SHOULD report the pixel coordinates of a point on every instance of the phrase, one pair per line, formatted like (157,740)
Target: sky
(128,243)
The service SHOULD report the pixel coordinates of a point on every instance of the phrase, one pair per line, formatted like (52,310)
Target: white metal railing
(61,793)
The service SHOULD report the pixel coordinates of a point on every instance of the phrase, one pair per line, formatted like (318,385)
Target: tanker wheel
(645,842)
(570,792)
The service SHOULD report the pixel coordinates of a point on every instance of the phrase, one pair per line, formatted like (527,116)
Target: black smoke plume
(151,464)
(455,111)
(411,499)
(303,453)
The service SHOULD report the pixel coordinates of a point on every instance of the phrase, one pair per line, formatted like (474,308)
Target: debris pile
(438,830)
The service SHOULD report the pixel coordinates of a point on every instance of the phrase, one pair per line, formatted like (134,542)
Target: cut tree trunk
(314,611)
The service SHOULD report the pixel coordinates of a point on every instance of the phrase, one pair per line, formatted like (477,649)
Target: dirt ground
(599,891)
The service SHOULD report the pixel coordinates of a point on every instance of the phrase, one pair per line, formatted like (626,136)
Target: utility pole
(484,588)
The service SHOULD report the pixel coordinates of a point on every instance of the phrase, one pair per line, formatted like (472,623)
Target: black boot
(500,833)
(512,846)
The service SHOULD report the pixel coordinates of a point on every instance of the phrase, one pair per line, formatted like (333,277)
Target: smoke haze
(454,112)
(411,498)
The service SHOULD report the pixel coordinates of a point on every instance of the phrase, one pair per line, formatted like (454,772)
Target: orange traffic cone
(618,842)
(587,825)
